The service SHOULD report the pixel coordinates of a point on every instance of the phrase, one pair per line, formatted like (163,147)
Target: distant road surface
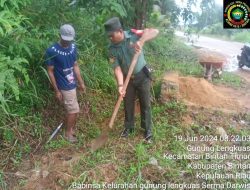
(228,48)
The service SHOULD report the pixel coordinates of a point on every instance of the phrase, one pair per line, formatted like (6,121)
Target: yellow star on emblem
(111,60)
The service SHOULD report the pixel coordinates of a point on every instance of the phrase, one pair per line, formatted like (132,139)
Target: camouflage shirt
(122,54)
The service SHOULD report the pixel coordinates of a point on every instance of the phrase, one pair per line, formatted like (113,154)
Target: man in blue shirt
(64,72)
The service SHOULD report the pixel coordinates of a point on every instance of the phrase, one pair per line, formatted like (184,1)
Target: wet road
(228,48)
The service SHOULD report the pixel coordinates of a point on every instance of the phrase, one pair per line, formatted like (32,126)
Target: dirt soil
(50,170)
(200,92)
(241,95)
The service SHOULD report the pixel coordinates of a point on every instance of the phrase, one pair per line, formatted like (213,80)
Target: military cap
(112,25)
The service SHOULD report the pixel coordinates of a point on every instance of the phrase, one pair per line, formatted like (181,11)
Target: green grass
(163,57)
(130,158)
(56,144)
(216,31)
(134,158)
(3,184)
(229,79)
(98,74)
(242,37)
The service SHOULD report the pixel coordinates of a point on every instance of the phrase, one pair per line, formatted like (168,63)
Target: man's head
(67,32)
(114,30)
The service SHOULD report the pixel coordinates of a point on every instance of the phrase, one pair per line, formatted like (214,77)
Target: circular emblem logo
(237,14)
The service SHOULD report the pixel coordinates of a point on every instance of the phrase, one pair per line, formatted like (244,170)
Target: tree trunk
(140,13)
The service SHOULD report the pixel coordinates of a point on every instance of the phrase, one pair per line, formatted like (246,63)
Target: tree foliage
(210,14)
(10,19)
(13,70)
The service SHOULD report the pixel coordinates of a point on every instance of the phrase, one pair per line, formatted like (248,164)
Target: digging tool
(103,138)
(55,132)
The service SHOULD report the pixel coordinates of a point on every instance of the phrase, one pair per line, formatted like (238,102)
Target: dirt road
(228,48)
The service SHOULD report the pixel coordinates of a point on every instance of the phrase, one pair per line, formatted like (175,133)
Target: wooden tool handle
(118,103)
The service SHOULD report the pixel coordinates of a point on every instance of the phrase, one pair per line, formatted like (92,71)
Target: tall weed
(13,75)
(166,54)
(242,37)
(3,184)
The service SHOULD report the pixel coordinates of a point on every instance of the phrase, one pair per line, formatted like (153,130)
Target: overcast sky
(182,3)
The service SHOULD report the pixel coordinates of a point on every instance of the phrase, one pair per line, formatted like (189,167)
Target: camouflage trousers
(139,85)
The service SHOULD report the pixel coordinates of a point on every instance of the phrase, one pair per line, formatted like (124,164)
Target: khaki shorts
(70,101)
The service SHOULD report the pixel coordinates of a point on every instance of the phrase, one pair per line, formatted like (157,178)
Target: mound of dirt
(195,91)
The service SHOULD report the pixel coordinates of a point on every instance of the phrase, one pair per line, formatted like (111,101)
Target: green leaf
(11,70)
(1,31)
(12,83)
(2,2)
(27,49)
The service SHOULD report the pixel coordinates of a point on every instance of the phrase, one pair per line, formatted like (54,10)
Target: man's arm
(119,79)
(148,34)
(79,77)
(50,70)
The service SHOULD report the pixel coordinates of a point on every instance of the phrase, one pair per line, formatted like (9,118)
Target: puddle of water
(232,64)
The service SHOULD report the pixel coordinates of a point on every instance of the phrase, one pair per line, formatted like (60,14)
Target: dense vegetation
(27,28)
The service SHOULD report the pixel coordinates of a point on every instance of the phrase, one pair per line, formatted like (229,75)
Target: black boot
(126,132)
(148,137)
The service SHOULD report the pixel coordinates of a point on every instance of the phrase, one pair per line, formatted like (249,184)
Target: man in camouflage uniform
(123,46)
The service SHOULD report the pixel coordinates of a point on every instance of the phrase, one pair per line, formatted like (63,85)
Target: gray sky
(182,3)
